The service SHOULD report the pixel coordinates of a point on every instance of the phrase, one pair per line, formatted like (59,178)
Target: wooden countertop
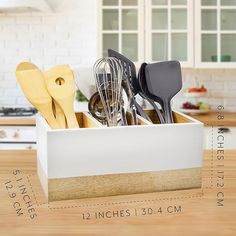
(17,121)
(187,212)
(217,118)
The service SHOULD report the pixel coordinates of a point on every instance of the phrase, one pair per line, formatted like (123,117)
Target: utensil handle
(168,112)
(141,111)
(160,116)
(123,116)
(69,113)
(49,117)
(134,114)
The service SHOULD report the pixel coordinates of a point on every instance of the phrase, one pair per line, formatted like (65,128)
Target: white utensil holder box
(97,161)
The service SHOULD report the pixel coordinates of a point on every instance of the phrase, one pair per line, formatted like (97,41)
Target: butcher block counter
(207,211)
(18,120)
(217,118)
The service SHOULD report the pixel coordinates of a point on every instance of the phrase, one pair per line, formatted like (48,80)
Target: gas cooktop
(17,111)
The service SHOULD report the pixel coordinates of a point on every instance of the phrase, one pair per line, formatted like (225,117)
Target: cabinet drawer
(17,134)
(17,146)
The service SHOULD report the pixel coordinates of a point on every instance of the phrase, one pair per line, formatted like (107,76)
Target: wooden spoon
(61,86)
(57,111)
(33,85)
(60,116)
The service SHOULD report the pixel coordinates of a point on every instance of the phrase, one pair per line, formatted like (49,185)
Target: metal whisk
(108,77)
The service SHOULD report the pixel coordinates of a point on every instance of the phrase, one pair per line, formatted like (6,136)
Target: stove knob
(16,134)
(3,134)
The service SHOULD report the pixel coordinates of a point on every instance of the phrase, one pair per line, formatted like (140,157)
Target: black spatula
(164,80)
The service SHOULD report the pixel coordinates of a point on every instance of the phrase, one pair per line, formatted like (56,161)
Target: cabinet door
(169,31)
(215,33)
(122,27)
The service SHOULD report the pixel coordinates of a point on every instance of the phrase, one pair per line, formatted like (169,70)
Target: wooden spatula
(33,85)
(61,86)
(60,116)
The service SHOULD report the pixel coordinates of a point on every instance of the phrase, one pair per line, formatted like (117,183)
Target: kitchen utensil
(127,88)
(146,95)
(61,86)
(33,85)
(95,107)
(130,70)
(131,85)
(59,114)
(57,111)
(164,80)
(108,77)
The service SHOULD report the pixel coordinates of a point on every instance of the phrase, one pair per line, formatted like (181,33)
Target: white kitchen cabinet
(215,33)
(220,139)
(121,27)
(151,30)
(169,31)
(198,33)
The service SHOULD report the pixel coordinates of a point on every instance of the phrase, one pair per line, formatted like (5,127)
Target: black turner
(164,80)
(130,71)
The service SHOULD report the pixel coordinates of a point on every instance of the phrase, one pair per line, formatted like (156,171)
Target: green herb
(80,97)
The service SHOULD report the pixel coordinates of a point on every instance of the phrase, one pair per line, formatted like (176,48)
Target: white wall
(221,84)
(69,35)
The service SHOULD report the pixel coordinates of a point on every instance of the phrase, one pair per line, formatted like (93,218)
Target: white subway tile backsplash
(17,44)
(32,36)
(230,86)
(8,101)
(213,85)
(22,101)
(7,20)
(230,102)
(26,19)
(15,28)
(2,44)
(1,90)
(43,44)
(8,84)
(13,92)
(9,76)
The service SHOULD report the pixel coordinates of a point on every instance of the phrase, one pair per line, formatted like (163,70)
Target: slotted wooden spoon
(61,86)
(33,85)
(60,116)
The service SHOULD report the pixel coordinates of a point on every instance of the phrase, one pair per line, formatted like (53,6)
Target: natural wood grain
(86,120)
(199,216)
(121,184)
(17,121)
(32,83)
(177,118)
(61,86)
(211,119)
(59,114)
